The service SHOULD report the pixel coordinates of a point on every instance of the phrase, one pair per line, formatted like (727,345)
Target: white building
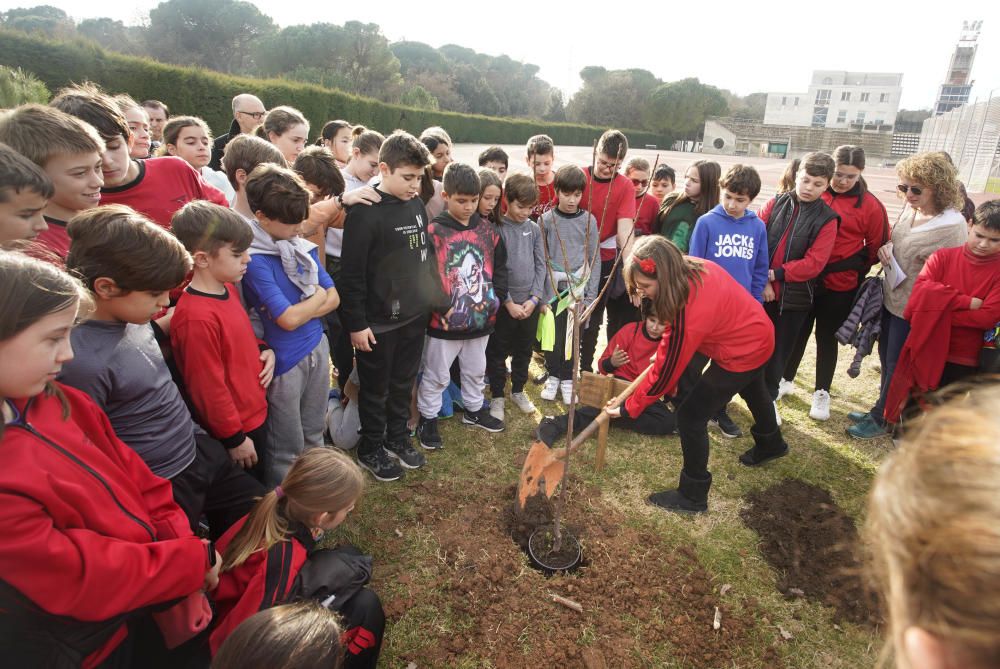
(957,86)
(839,100)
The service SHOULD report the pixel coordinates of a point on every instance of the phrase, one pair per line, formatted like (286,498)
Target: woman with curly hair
(931,220)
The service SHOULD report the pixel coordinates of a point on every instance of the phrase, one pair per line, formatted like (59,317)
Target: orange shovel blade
(542,465)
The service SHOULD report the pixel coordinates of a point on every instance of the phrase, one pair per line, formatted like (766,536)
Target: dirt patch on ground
(813,545)
(642,600)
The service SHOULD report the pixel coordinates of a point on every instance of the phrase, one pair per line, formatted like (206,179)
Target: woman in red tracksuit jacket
(93,541)
(270,557)
(864,228)
(709,313)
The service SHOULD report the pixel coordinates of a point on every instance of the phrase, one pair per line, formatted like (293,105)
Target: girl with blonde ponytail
(934,539)
(264,553)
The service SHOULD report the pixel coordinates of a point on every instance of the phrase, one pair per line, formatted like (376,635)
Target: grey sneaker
(408,456)
(483,419)
(497,407)
(381,466)
(523,402)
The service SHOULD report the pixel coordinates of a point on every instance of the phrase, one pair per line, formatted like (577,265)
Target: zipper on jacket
(22,422)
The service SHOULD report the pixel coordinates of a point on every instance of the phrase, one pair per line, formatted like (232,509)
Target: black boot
(766,447)
(691,496)
(551,428)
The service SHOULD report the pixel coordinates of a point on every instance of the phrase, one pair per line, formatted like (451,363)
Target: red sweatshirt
(54,240)
(721,321)
(89,531)
(608,211)
(807,267)
(218,356)
(264,580)
(972,276)
(648,207)
(634,340)
(864,226)
(163,186)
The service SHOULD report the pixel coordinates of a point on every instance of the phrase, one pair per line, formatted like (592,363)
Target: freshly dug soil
(813,545)
(642,600)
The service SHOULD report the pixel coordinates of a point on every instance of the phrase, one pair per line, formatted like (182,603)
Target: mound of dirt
(813,545)
(638,596)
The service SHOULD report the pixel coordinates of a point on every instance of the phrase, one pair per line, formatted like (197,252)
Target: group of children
(194,395)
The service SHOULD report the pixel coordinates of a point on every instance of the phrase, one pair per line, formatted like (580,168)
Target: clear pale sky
(745,47)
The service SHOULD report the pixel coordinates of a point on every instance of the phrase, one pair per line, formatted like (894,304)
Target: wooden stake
(568,603)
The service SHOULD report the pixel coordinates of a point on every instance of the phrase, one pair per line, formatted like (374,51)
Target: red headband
(648,266)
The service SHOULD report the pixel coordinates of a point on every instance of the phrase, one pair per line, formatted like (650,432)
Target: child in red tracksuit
(93,542)
(626,356)
(863,230)
(708,313)
(269,557)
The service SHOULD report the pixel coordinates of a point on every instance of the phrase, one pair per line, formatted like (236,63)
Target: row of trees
(235,37)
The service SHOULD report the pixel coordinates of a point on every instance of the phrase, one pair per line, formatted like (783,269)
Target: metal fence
(971,135)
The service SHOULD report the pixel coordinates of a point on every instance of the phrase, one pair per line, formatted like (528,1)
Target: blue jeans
(890,344)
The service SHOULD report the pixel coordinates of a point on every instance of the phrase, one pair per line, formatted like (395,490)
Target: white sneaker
(566,388)
(777,415)
(785,387)
(820,406)
(496,407)
(550,389)
(523,402)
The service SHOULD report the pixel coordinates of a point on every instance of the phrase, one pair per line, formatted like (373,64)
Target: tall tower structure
(954,92)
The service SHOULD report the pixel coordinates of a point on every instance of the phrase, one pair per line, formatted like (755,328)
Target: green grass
(395,525)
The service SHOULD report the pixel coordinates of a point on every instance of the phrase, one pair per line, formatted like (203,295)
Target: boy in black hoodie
(389,285)
(472,264)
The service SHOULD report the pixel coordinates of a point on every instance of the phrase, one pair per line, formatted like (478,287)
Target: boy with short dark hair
(541,151)
(291,292)
(24,191)
(732,236)
(243,154)
(318,168)
(472,266)
(517,321)
(496,159)
(226,369)
(389,282)
(663,182)
(156,188)
(801,231)
(69,151)
(610,197)
(958,287)
(570,240)
(130,265)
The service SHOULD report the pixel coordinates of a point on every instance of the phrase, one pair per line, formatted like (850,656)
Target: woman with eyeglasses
(931,220)
(863,230)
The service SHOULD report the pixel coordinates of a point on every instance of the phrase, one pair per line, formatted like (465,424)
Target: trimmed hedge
(188,90)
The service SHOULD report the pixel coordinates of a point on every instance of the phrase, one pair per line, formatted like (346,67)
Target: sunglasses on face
(916,190)
(642,183)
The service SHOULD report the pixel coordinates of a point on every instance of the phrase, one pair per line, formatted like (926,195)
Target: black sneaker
(726,426)
(427,434)
(483,419)
(381,466)
(403,451)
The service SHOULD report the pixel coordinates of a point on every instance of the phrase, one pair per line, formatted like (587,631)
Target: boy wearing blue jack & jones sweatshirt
(731,235)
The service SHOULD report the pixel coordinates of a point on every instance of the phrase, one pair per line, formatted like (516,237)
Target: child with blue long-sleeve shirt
(291,291)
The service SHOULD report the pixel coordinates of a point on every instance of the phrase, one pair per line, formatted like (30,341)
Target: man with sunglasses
(248,112)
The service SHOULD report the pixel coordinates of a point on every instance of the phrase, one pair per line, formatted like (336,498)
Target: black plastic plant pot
(549,561)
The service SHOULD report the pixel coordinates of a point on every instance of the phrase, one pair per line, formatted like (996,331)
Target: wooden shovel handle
(603,416)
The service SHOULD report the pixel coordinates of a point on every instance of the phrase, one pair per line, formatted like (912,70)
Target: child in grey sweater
(571,239)
(517,320)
